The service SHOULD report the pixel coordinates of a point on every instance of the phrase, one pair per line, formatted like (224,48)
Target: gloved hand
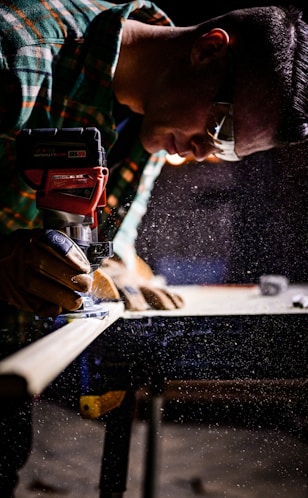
(41,270)
(137,292)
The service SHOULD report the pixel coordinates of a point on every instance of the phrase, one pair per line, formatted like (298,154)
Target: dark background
(226,223)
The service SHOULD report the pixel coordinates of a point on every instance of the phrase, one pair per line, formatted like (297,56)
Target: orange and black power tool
(67,168)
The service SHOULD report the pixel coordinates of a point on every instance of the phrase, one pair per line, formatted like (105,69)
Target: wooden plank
(227,300)
(30,370)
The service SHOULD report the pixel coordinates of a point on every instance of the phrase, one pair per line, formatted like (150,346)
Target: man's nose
(201,148)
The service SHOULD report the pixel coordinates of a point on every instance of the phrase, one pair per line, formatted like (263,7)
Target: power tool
(67,167)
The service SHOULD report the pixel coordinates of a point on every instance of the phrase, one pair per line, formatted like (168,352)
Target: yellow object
(93,406)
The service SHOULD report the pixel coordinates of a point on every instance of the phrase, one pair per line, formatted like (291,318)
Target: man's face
(182,122)
(178,123)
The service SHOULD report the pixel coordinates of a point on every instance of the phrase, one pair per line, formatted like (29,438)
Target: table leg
(15,441)
(116,449)
(152,449)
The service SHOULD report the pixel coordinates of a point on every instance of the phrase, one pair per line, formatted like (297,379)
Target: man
(231,86)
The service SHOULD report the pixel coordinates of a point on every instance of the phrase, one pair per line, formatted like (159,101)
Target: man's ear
(209,46)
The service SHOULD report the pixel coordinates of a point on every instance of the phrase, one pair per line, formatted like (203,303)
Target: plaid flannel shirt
(57,61)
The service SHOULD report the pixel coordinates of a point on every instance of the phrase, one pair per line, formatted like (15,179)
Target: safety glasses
(220,131)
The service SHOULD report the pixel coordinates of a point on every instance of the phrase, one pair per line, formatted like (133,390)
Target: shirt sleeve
(124,241)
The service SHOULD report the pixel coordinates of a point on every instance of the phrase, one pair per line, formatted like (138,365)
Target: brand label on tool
(76,153)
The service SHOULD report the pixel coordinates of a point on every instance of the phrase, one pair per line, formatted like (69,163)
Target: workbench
(227,342)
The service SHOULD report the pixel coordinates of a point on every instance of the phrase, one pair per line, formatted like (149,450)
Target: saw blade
(88,309)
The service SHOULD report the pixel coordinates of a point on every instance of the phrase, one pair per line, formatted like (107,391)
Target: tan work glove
(41,271)
(113,279)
